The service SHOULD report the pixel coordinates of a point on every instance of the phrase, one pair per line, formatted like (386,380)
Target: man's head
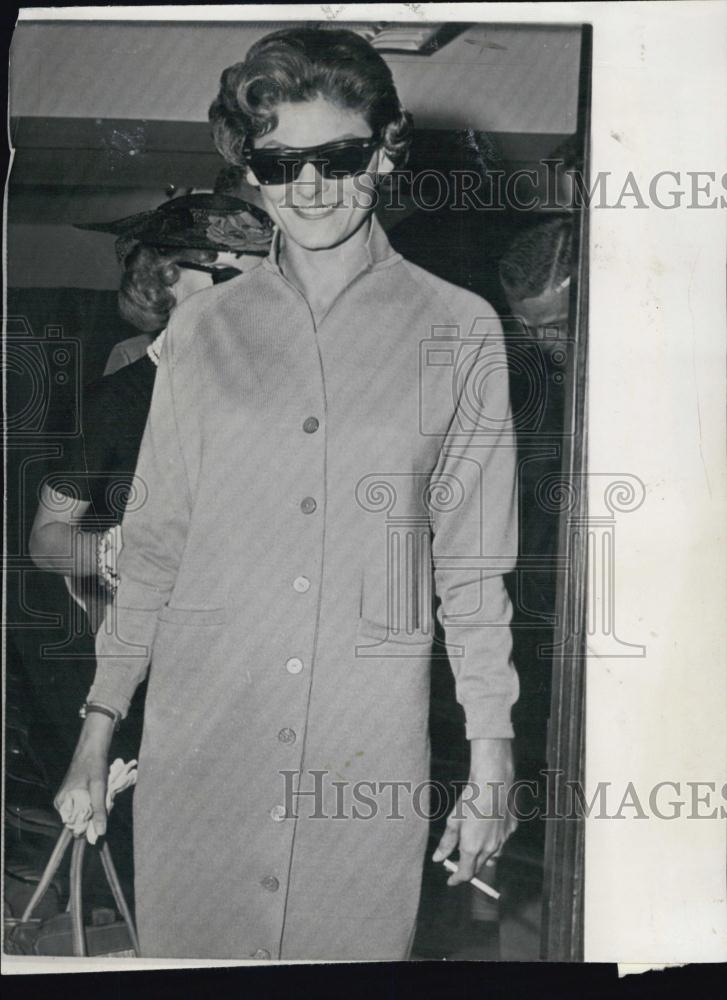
(535,274)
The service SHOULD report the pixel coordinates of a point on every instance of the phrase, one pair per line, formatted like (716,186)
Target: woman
(168,254)
(229,223)
(282,455)
(180,248)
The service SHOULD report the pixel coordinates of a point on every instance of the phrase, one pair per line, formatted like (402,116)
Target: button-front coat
(308,490)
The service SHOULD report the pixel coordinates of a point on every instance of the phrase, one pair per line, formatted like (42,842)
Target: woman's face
(312,211)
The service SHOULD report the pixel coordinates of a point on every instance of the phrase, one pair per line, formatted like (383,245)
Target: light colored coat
(303,488)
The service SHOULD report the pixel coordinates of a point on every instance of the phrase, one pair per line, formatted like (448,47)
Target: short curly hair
(146,295)
(300,64)
(538,259)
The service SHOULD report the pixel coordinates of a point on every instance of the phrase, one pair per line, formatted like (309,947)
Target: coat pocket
(396,595)
(393,621)
(381,632)
(189,677)
(192,616)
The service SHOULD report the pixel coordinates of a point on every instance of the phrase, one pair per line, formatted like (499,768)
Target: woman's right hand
(82,796)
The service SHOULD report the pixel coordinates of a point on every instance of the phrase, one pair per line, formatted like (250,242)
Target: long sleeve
(154,532)
(474,524)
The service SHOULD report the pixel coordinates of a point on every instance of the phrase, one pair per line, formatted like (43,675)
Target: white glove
(76,810)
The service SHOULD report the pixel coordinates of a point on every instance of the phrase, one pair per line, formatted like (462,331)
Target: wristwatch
(91,706)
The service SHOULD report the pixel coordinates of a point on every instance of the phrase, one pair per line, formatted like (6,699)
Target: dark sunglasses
(332,159)
(218,274)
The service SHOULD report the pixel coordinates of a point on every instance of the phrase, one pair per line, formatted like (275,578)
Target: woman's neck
(322,274)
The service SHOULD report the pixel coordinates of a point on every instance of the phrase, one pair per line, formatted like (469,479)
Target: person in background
(149,317)
(180,248)
(185,245)
(535,272)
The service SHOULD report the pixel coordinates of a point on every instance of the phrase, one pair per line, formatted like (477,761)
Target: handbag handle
(76,889)
(49,873)
(78,933)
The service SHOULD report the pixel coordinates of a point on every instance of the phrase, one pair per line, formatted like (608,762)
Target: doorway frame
(564,869)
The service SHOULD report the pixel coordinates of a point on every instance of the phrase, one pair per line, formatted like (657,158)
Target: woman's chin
(318,234)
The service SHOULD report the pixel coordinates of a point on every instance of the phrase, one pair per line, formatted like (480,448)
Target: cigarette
(477,883)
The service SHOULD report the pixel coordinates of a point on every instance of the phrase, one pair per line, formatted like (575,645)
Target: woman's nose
(309,183)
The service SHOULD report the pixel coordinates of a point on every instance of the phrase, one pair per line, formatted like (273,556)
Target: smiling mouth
(314,211)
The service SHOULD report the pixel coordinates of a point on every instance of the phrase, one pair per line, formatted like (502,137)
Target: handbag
(65,934)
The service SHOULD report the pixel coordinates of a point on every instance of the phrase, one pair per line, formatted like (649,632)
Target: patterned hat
(218,222)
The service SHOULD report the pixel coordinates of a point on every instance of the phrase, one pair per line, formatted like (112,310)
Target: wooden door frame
(563,886)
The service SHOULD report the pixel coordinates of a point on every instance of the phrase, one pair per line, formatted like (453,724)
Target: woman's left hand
(480,823)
